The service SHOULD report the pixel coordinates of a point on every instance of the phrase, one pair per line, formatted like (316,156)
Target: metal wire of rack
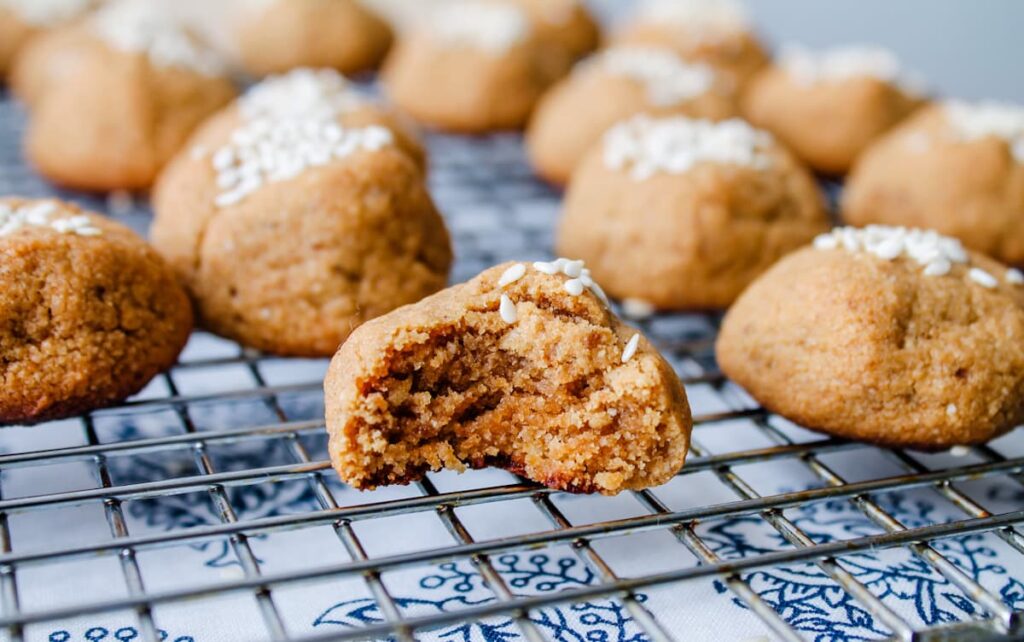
(496,211)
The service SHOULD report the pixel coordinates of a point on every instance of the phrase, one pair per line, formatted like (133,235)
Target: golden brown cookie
(275,36)
(565,24)
(610,87)
(829,106)
(471,66)
(21,21)
(684,214)
(290,232)
(714,32)
(886,335)
(524,368)
(957,168)
(88,312)
(137,88)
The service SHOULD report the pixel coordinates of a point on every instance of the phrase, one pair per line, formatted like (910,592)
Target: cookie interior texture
(875,350)
(448,383)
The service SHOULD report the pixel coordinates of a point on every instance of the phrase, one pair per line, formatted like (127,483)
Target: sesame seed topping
(667,79)
(675,145)
(637,308)
(143,26)
(40,214)
(1015,276)
(512,274)
(320,94)
(47,13)
(266,151)
(927,248)
(579,277)
(975,121)
(702,18)
(507,310)
(631,347)
(489,26)
(842,63)
(982,278)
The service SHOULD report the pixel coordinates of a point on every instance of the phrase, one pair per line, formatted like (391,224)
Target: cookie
(565,24)
(717,33)
(955,167)
(22,20)
(523,368)
(887,335)
(290,232)
(683,214)
(138,86)
(90,313)
(829,106)
(275,36)
(471,66)
(612,86)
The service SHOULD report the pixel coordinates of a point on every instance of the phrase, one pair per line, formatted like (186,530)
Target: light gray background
(964,48)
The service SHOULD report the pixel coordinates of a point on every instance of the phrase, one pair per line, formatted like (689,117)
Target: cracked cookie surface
(88,313)
(533,374)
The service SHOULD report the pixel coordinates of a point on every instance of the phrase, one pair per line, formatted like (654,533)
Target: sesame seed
(512,274)
(667,79)
(951,409)
(38,214)
(313,94)
(631,348)
(982,278)
(938,267)
(507,310)
(546,268)
(574,287)
(1015,276)
(573,269)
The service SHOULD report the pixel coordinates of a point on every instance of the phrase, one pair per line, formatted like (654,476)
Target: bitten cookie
(957,168)
(22,20)
(829,106)
(88,312)
(524,368)
(471,66)
(714,32)
(892,336)
(137,86)
(291,231)
(612,86)
(683,214)
(275,36)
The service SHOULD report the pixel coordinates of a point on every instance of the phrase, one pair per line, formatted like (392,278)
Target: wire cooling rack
(226,423)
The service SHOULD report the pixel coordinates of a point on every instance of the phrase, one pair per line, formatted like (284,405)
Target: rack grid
(226,420)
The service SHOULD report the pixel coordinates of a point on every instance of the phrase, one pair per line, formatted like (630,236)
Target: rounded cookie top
(889,335)
(956,167)
(684,213)
(290,231)
(90,311)
(523,367)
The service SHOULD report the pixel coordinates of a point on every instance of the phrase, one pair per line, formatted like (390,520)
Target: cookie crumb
(983,278)
(512,275)
(631,347)
(507,310)
(647,146)
(637,309)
